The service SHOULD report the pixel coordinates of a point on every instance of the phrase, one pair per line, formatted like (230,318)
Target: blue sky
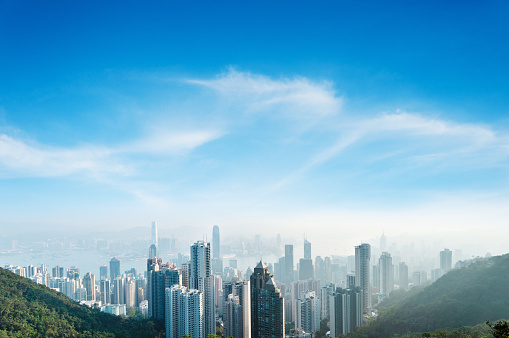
(291,117)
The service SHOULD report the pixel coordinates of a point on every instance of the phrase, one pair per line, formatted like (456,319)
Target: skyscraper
(154,233)
(217,262)
(345,311)
(152,251)
(271,312)
(237,309)
(103,272)
(305,269)
(105,291)
(307,249)
(445,261)
(201,278)
(362,257)
(308,312)
(114,268)
(386,273)
(89,285)
(403,276)
(258,279)
(159,277)
(288,263)
(216,243)
(184,312)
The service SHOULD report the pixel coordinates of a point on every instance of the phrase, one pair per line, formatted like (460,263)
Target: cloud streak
(23,159)
(297,98)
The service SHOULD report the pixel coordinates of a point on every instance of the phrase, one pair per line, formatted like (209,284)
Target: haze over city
(336,122)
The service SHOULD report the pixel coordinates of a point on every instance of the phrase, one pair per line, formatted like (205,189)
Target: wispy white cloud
(295,98)
(439,141)
(29,159)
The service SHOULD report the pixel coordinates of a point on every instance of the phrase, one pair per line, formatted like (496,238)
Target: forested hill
(28,309)
(462,297)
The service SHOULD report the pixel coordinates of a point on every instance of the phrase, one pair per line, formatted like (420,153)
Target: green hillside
(28,309)
(462,298)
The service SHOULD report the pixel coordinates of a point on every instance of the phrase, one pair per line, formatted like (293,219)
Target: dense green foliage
(500,329)
(28,309)
(461,298)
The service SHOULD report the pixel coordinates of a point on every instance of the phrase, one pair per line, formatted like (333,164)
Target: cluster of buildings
(113,293)
(197,296)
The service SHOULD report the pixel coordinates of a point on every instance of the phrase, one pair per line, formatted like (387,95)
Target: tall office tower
(114,268)
(307,249)
(279,270)
(305,269)
(89,285)
(362,257)
(350,264)
(308,312)
(326,292)
(320,268)
(386,272)
(258,279)
(416,278)
(350,281)
(383,242)
(152,251)
(184,312)
(278,243)
(345,311)
(103,272)
(159,277)
(328,270)
(271,312)
(155,238)
(403,276)
(201,278)
(375,278)
(217,262)
(105,288)
(445,260)
(288,263)
(58,271)
(237,309)
(216,243)
(118,291)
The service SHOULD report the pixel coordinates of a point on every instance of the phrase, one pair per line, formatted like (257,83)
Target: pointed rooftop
(260,265)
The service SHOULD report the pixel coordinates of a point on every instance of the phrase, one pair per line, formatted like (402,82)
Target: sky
(332,120)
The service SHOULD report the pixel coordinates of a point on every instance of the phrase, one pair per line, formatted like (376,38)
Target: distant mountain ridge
(463,297)
(28,309)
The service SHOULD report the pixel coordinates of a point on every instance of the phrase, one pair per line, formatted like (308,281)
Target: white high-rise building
(201,278)
(216,243)
(308,312)
(362,257)
(105,288)
(184,312)
(445,261)
(89,285)
(154,233)
(386,273)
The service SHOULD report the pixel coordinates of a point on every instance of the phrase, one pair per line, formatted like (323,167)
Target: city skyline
(328,117)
